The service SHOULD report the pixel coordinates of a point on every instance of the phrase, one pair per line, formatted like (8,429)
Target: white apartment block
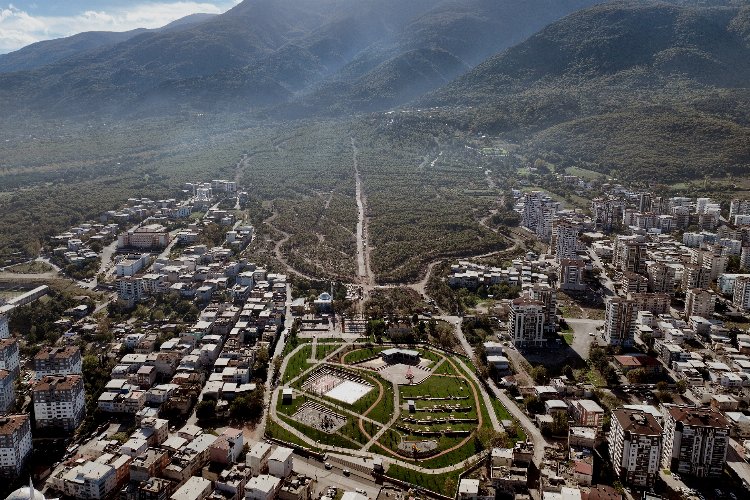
(699,302)
(570,275)
(7,391)
(144,237)
(566,242)
(59,401)
(695,441)
(4,328)
(741,295)
(58,361)
(527,322)
(9,356)
(90,480)
(661,277)
(629,254)
(738,207)
(620,321)
(15,444)
(635,446)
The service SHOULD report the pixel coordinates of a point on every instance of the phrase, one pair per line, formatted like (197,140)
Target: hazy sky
(27,21)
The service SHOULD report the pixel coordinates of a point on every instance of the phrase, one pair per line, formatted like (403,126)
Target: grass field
(297,364)
(354,357)
(435,482)
(324,350)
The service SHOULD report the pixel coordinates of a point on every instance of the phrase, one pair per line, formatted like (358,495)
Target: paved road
(532,431)
(607,284)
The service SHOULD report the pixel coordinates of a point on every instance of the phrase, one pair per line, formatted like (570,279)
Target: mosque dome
(26,493)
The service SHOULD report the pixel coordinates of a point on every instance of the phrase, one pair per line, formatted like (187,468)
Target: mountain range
(621,86)
(299,55)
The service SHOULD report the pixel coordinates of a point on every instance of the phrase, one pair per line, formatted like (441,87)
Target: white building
(566,243)
(280,462)
(699,303)
(4,329)
(527,322)
(7,391)
(15,444)
(257,457)
(263,487)
(89,480)
(9,356)
(620,321)
(59,401)
(741,295)
(195,488)
(696,441)
(635,445)
(58,361)
(144,237)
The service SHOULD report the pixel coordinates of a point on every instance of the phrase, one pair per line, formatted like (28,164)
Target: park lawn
(274,430)
(432,356)
(292,344)
(445,369)
(503,414)
(385,409)
(568,338)
(436,386)
(444,483)
(358,355)
(324,350)
(297,363)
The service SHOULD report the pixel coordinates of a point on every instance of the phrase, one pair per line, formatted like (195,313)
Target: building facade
(635,446)
(59,401)
(695,441)
(620,321)
(58,361)
(15,444)
(527,322)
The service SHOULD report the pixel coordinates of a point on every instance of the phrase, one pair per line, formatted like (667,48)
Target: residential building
(635,446)
(630,254)
(15,444)
(263,487)
(655,303)
(195,488)
(527,322)
(59,401)
(738,207)
(695,441)
(58,361)
(634,283)
(661,277)
(607,213)
(587,413)
(144,237)
(695,276)
(570,275)
(741,295)
(7,391)
(280,462)
(4,328)
(620,321)
(699,302)
(9,356)
(566,240)
(548,297)
(89,480)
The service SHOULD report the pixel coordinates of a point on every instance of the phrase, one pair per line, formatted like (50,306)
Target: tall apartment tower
(15,444)
(620,321)
(59,401)
(527,322)
(695,441)
(566,242)
(635,447)
(661,277)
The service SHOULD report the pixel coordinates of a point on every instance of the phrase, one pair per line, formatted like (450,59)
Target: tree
(681,386)
(539,374)
(662,386)
(206,409)
(637,376)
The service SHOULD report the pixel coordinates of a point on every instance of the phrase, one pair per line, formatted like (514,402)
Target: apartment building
(620,321)
(527,322)
(630,255)
(548,297)
(566,240)
(145,237)
(9,356)
(4,328)
(741,295)
(58,361)
(570,275)
(59,401)
(695,441)
(15,444)
(89,480)
(635,446)
(7,391)
(695,276)
(699,302)
(661,277)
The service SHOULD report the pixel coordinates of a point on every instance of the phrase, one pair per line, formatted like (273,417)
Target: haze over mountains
(573,79)
(364,53)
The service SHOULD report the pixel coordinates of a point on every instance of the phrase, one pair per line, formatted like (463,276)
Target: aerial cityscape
(309,249)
